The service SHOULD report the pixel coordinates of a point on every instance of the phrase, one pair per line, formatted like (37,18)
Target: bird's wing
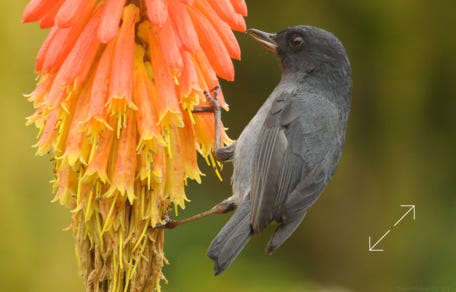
(272,144)
(292,150)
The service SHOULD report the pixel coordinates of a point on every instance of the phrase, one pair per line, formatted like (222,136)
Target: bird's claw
(167,223)
(212,96)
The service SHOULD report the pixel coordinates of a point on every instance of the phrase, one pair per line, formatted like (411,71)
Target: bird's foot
(212,97)
(225,206)
(167,223)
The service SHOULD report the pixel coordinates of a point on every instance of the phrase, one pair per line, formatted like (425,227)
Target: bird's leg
(220,153)
(221,208)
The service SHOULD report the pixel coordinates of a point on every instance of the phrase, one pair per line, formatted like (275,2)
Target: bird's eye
(295,41)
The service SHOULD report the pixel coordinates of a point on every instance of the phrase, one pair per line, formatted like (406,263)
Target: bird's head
(307,51)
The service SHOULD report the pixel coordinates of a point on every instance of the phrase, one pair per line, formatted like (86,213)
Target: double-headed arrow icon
(372,246)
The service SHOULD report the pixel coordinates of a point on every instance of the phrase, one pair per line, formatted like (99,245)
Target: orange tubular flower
(118,81)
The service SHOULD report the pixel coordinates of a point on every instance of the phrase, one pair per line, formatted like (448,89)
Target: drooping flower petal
(145,97)
(96,119)
(226,11)
(204,123)
(62,43)
(157,11)
(49,133)
(207,76)
(171,48)
(79,61)
(188,79)
(222,28)
(123,172)
(73,149)
(212,45)
(121,81)
(169,109)
(100,154)
(110,20)
(38,96)
(48,18)
(71,10)
(65,184)
(75,68)
(240,7)
(175,175)
(42,53)
(36,9)
(187,135)
(182,20)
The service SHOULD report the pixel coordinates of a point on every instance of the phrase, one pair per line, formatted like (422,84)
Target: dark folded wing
(295,149)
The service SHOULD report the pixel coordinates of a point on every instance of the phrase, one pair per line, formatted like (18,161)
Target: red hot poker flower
(118,81)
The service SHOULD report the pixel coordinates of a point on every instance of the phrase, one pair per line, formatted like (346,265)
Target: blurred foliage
(400,150)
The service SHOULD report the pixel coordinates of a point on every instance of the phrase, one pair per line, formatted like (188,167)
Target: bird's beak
(265,39)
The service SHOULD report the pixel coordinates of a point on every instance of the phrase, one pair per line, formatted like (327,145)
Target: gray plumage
(288,152)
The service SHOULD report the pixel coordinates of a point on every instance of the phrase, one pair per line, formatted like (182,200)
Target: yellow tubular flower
(117,83)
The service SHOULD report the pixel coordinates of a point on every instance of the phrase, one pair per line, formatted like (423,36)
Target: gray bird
(288,152)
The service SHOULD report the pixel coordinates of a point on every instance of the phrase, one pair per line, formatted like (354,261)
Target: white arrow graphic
(372,246)
(412,208)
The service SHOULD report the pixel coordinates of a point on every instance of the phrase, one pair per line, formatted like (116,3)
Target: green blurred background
(400,150)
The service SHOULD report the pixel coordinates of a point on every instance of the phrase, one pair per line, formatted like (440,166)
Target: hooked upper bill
(265,39)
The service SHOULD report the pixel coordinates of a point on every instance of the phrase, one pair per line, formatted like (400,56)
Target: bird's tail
(233,237)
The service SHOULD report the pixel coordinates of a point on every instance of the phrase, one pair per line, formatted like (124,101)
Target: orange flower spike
(157,11)
(222,28)
(124,171)
(169,109)
(110,20)
(240,7)
(96,117)
(213,46)
(171,48)
(225,10)
(181,20)
(145,97)
(117,82)
(37,9)
(71,10)
(121,82)
(100,154)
